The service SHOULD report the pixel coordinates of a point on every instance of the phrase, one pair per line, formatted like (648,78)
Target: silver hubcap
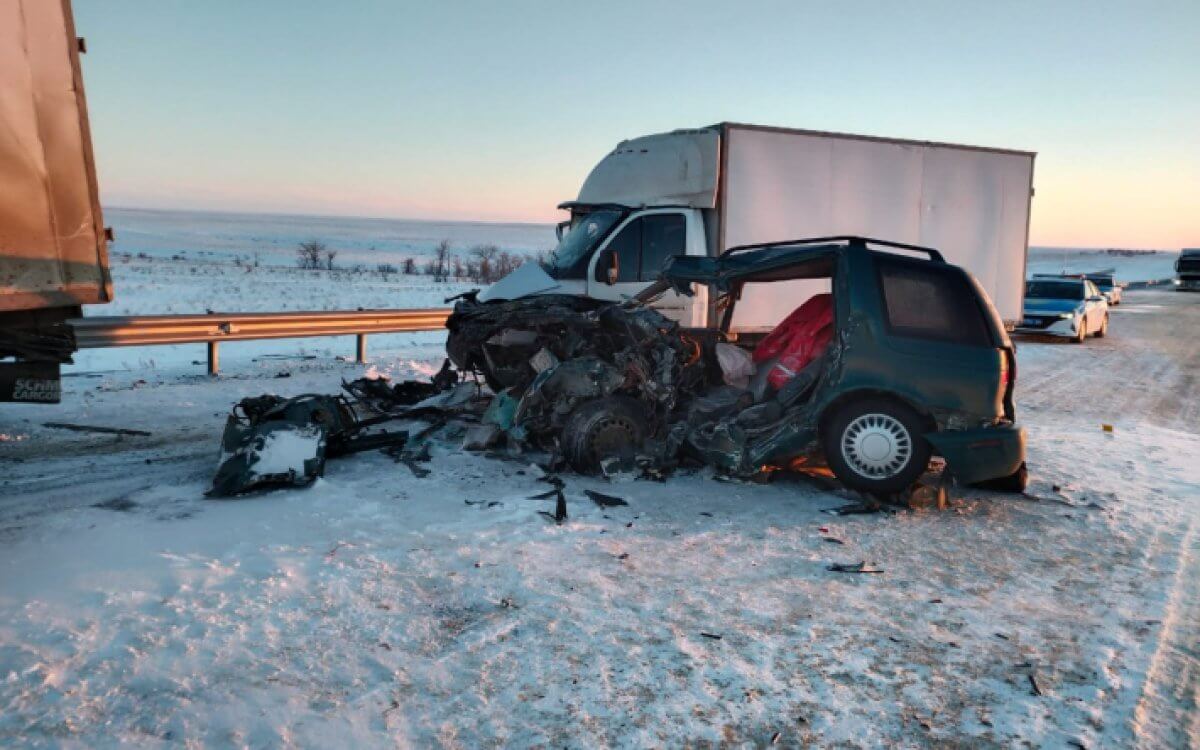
(876,446)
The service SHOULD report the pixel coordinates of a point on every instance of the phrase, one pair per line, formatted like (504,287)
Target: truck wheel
(603,428)
(1103,328)
(875,445)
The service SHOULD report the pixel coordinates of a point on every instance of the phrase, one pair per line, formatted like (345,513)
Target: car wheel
(1015,482)
(601,429)
(875,445)
(1081,334)
(1103,328)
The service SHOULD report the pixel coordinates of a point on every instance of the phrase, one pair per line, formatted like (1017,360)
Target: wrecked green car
(896,357)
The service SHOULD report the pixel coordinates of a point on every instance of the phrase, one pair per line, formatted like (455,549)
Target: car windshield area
(570,259)
(1104,281)
(1075,290)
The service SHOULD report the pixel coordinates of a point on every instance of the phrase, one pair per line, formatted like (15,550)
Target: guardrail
(213,328)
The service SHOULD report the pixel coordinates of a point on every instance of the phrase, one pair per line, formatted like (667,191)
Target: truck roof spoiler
(933,254)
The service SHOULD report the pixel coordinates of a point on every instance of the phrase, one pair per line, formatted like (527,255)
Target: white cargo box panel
(970,203)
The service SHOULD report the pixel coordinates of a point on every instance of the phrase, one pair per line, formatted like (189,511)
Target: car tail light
(1008,380)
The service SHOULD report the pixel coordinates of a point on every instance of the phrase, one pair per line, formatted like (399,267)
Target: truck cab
(1187,270)
(612,252)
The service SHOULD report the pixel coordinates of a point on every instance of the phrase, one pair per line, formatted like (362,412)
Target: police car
(1064,306)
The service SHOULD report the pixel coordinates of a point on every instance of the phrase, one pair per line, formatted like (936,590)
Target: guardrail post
(214,359)
(362,348)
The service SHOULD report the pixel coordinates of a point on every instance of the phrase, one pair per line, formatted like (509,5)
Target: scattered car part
(274,441)
(605,501)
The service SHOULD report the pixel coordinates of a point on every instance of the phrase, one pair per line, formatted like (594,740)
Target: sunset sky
(497,110)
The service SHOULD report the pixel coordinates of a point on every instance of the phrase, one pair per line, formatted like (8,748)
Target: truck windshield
(570,258)
(1054,289)
(1103,281)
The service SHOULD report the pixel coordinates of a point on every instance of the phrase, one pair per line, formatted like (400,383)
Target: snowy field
(379,608)
(1131,265)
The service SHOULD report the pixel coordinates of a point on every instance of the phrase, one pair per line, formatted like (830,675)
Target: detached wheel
(1103,328)
(875,445)
(601,429)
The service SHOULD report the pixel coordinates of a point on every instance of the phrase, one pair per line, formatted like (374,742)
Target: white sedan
(1066,307)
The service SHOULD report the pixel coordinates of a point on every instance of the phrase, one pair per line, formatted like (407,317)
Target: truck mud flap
(978,455)
(30,382)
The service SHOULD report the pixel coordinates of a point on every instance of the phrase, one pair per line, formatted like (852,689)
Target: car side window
(922,300)
(662,238)
(627,246)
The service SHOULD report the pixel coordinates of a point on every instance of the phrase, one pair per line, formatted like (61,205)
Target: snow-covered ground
(380,608)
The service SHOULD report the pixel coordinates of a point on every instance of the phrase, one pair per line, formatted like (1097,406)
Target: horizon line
(359,217)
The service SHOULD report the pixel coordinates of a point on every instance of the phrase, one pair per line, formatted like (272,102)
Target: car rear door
(939,337)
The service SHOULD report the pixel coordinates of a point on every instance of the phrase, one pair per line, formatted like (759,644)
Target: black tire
(1015,482)
(1103,331)
(897,425)
(603,428)
(1081,334)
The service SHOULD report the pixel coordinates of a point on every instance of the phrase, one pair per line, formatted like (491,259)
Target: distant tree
(485,260)
(308,254)
(441,258)
(410,266)
(329,256)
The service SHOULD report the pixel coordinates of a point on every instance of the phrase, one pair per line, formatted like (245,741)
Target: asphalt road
(1145,370)
(1147,366)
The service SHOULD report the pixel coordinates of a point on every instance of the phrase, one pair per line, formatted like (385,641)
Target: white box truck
(705,191)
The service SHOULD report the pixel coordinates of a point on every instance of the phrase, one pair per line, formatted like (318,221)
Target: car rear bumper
(980,454)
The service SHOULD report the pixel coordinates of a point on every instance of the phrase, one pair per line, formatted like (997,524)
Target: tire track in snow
(1168,711)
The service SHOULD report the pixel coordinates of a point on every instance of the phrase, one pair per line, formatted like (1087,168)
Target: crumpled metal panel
(52,244)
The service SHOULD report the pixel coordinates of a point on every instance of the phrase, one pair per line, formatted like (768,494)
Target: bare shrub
(485,258)
(410,267)
(308,254)
(329,256)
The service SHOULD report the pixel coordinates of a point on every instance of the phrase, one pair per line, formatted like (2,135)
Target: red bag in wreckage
(798,340)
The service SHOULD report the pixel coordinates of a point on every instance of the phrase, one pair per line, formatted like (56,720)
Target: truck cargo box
(52,242)
(971,203)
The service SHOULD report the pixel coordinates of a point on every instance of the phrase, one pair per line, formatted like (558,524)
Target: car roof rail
(849,239)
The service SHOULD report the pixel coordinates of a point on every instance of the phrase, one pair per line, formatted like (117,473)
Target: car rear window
(928,301)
